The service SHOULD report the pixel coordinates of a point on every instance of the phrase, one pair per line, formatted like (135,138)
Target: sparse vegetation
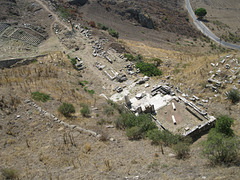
(234,95)
(182,150)
(223,125)
(64,12)
(137,126)
(85,111)
(113,33)
(108,110)
(222,146)
(9,174)
(92,24)
(130,57)
(231,37)
(134,133)
(148,69)
(102,26)
(82,83)
(66,109)
(38,96)
(157,62)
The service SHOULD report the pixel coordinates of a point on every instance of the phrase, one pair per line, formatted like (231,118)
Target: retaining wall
(7,63)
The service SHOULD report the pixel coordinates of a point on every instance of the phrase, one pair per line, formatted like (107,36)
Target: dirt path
(55,16)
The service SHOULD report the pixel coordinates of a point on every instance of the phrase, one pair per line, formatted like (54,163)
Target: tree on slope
(200,12)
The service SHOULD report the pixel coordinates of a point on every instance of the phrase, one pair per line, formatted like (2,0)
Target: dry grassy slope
(49,157)
(34,145)
(226,12)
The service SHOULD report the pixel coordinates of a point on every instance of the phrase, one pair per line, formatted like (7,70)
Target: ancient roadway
(204,29)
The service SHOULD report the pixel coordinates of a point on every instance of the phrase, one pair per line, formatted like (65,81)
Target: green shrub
(156,61)
(85,111)
(155,135)
(66,109)
(63,12)
(129,57)
(220,148)
(108,110)
(9,173)
(102,26)
(119,108)
(148,69)
(73,62)
(234,95)
(223,125)
(182,150)
(169,139)
(91,92)
(40,96)
(134,133)
(101,122)
(113,33)
(129,120)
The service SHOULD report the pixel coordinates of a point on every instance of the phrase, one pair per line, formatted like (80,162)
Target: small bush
(134,133)
(91,92)
(130,57)
(113,33)
(9,173)
(40,96)
(119,108)
(223,125)
(64,12)
(155,135)
(87,147)
(92,24)
(108,110)
(66,109)
(182,150)
(169,139)
(234,95)
(102,26)
(148,69)
(157,61)
(81,83)
(221,149)
(85,111)
(143,123)
(101,122)
(73,62)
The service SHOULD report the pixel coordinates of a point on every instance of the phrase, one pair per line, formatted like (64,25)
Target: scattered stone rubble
(79,64)
(227,72)
(66,125)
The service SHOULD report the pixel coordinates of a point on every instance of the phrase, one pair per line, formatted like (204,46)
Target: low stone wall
(7,63)
(201,129)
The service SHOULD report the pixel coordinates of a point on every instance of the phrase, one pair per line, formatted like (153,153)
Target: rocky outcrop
(140,17)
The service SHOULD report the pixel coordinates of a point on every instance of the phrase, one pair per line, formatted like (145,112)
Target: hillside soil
(37,146)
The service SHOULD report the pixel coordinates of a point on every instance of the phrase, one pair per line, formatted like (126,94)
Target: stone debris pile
(226,72)
(79,64)
(56,120)
(130,69)
(99,66)
(98,47)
